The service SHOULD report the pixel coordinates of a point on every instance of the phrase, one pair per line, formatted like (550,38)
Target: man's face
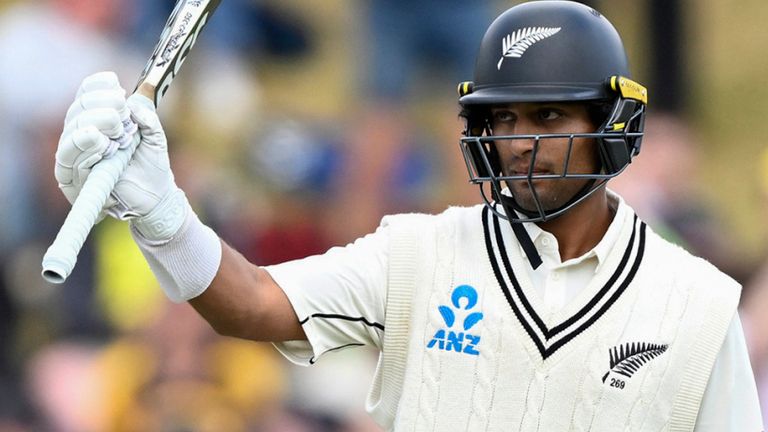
(515,154)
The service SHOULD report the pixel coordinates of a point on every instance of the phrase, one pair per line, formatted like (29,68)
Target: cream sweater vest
(467,349)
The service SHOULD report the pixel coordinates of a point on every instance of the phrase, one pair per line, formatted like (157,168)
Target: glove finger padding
(85,142)
(107,98)
(99,81)
(93,145)
(106,120)
(76,156)
(81,147)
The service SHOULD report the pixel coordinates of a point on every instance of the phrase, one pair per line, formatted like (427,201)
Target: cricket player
(550,307)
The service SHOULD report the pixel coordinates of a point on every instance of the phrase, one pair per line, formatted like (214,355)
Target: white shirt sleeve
(339,297)
(730,400)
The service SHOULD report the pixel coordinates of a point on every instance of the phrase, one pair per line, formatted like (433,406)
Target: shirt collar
(546,243)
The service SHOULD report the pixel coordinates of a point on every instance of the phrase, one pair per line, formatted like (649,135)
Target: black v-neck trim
(543,345)
(503,284)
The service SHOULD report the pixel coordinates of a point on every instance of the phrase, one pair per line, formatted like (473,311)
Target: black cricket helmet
(551,51)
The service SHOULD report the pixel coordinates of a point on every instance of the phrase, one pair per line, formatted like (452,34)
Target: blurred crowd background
(294,126)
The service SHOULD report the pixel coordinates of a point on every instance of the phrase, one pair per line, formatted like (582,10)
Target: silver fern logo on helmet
(516,43)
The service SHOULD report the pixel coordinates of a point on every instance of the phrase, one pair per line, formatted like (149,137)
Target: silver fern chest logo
(516,43)
(626,359)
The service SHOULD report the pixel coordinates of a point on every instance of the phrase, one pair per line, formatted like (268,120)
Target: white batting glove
(182,252)
(96,125)
(99,123)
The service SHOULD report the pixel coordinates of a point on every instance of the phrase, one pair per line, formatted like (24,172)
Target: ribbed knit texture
(673,299)
(401,280)
(686,405)
(185,265)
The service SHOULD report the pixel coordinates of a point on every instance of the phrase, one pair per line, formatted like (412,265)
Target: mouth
(523,167)
(524,172)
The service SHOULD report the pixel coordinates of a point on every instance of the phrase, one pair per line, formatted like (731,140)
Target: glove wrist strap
(186,264)
(164,221)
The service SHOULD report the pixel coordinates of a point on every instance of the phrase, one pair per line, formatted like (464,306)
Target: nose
(517,147)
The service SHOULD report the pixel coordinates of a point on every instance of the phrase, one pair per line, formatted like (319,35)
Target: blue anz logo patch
(463,299)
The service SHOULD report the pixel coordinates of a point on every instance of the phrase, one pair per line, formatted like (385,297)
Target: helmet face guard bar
(615,146)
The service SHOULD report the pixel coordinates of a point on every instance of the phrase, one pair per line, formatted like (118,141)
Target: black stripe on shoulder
(364,320)
(624,284)
(503,285)
(313,359)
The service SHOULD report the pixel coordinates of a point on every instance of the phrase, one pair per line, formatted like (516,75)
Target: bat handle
(60,258)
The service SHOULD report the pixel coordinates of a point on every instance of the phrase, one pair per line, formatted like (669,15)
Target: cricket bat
(177,39)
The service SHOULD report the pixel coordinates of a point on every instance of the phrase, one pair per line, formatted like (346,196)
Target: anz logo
(457,336)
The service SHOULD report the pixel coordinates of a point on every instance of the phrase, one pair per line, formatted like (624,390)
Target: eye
(549,114)
(503,116)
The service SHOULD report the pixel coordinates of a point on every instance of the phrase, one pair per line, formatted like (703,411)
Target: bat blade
(177,39)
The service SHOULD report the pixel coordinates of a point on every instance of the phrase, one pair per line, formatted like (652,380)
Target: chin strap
(509,203)
(527,244)
(510,206)
(524,239)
